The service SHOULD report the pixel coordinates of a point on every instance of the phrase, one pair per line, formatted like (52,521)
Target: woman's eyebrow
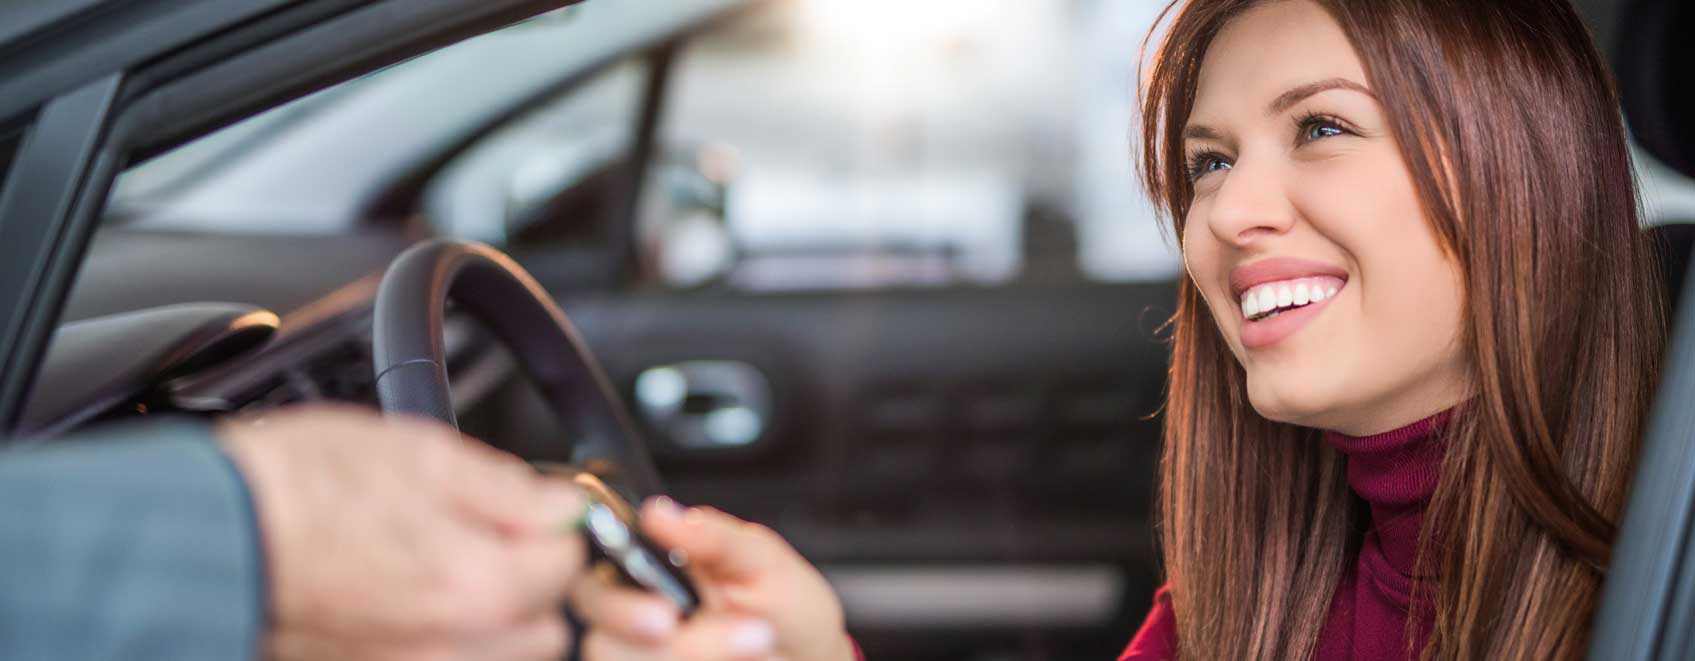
(1298,94)
(1282,104)
(1200,132)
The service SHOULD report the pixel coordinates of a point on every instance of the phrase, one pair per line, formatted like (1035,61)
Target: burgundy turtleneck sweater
(1395,473)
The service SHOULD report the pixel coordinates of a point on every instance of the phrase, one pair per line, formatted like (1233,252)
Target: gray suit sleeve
(132,545)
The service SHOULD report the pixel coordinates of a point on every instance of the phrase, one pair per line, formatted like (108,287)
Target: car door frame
(117,82)
(1647,607)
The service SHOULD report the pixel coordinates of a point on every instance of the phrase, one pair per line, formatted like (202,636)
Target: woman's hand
(400,539)
(761,600)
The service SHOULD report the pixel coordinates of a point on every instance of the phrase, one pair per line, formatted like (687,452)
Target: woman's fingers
(724,637)
(622,612)
(706,637)
(762,600)
(630,624)
(715,543)
(603,646)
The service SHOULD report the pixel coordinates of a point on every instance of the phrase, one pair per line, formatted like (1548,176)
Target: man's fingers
(716,544)
(547,568)
(498,490)
(637,616)
(545,637)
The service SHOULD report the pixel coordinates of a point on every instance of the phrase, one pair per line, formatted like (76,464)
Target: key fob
(639,561)
(610,526)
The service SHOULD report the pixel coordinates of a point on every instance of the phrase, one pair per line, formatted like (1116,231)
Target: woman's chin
(1296,406)
(1287,415)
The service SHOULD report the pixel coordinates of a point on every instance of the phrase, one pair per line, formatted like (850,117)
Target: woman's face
(1306,237)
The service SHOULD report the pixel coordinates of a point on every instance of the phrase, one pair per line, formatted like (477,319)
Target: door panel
(985,440)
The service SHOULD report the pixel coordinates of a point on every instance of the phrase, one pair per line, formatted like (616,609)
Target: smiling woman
(1383,208)
(1322,202)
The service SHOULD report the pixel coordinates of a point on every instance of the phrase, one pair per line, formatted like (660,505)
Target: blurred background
(877,273)
(803,144)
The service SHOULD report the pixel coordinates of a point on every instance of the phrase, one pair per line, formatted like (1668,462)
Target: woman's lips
(1276,283)
(1276,269)
(1271,330)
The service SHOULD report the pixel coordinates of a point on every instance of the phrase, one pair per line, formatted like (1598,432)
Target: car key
(614,537)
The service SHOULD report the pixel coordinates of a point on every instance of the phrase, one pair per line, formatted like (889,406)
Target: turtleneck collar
(1395,472)
(1396,467)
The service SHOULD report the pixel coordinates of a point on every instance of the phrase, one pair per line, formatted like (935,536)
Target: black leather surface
(408,351)
(129,269)
(97,364)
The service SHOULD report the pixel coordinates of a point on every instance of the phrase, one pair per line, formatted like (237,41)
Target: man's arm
(133,544)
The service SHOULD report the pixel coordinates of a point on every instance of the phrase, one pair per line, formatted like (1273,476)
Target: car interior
(886,285)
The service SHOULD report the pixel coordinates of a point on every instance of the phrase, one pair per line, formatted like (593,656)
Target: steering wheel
(410,358)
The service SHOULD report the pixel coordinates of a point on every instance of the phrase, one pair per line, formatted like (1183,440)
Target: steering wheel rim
(410,358)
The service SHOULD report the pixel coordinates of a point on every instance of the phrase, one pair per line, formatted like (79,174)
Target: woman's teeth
(1269,300)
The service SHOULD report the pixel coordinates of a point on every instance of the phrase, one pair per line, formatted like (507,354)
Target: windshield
(318,164)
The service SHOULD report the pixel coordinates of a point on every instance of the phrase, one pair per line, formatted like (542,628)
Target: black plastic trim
(305,61)
(9,142)
(98,364)
(623,232)
(58,182)
(1652,578)
(53,52)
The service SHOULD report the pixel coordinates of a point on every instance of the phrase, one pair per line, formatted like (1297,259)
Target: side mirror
(686,235)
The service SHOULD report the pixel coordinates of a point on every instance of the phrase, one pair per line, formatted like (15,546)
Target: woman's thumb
(715,544)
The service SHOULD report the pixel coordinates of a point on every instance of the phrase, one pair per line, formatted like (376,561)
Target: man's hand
(761,599)
(400,539)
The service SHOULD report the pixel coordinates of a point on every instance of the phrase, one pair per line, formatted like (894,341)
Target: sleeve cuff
(255,540)
(138,542)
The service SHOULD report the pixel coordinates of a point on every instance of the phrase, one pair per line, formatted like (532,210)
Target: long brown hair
(1509,125)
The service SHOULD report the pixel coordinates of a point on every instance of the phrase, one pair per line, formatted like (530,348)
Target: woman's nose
(1251,203)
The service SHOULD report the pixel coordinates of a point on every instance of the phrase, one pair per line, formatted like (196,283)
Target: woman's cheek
(1201,259)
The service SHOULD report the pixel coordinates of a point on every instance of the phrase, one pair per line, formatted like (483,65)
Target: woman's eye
(1205,164)
(1319,129)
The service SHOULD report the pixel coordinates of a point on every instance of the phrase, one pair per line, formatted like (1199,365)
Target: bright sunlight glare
(901,24)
